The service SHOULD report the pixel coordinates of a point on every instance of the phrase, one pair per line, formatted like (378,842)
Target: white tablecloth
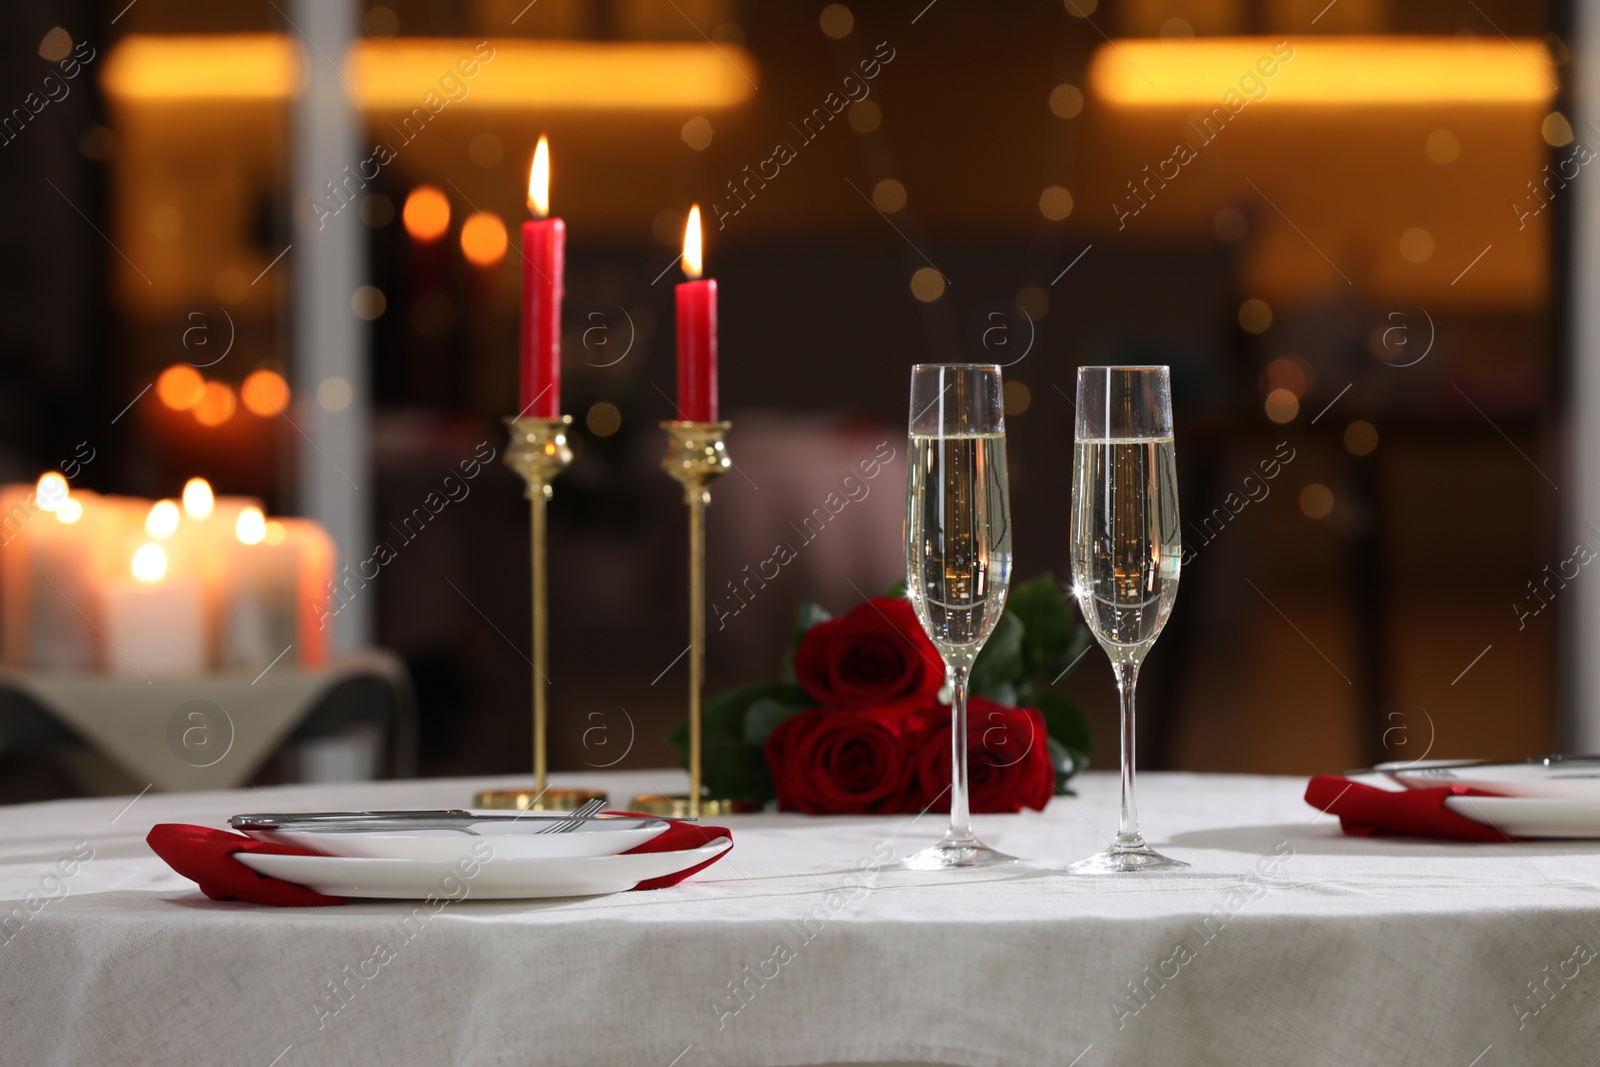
(1285,944)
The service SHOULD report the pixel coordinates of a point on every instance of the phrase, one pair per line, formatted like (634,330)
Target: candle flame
(51,491)
(197,498)
(150,564)
(251,527)
(693,255)
(539,179)
(162,522)
(70,511)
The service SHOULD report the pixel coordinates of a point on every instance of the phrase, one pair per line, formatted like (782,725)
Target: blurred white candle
(61,635)
(18,508)
(154,625)
(317,562)
(259,621)
(204,548)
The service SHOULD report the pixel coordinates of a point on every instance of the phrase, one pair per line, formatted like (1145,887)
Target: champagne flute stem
(1128,830)
(960,816)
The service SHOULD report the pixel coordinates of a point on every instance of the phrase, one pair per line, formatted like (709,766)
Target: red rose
(837,761)
(875,655)
(1008,759)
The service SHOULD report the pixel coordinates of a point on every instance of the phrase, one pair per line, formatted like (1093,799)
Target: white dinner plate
(1532,816)
(496,878)
(510,838)
(1572,778)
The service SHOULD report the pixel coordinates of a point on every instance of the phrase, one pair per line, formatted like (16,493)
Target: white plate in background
(1574,778)
(1532,816)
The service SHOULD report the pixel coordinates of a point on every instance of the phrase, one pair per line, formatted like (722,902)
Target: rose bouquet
(855,723)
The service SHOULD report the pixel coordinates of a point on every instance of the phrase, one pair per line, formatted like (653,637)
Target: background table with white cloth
(1286,943)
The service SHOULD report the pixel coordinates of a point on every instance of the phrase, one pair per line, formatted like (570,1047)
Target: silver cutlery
(576,819)
(450,819)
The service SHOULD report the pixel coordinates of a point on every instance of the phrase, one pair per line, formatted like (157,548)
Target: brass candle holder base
(536,800)
(679,807)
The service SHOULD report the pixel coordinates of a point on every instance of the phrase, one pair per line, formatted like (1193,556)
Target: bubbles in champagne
(958,538)
(1125,541)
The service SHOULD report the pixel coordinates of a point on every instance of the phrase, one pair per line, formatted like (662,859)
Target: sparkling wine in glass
(1125,551)
(958,555)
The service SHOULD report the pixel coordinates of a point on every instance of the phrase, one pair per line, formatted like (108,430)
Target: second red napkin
(1366,811)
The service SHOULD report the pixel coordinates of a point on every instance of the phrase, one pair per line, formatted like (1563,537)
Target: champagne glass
(958,555)
(1125,549)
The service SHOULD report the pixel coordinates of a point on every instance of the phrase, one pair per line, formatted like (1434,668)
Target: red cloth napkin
(205,856)
(1366,811)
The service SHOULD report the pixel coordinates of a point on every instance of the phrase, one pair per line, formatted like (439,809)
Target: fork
(576,819)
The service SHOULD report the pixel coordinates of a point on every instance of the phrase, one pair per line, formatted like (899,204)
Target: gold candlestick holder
(695,457)
(538,451)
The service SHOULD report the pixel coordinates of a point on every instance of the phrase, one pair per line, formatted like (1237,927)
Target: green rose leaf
(1054,669)
(1066,723)
(1048,626)
(1002,693)
(1067,763)
(765,715)
(805,617)
(736,769)
(723,716)
(1000,662)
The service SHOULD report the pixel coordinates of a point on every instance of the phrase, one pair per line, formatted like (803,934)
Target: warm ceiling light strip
(399,74)
(1323,71)
(259,66)
(395,74)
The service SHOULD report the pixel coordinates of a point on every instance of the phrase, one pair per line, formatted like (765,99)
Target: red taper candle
(697,332)
(544,257)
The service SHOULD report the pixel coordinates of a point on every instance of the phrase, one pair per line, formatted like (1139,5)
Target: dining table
(1285,942)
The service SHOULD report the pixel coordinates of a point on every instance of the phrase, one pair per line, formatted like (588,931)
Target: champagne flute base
(1125,859)
(950,855)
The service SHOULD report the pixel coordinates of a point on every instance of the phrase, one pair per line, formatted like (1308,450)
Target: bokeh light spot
(1055,203)
(1360,438)
(927,284)
(216,406)
(180,387)
(483,239)
(603,419)
(334,394)
(265,393)
(837,21)
(1255,316)
(889,196)
(1282,406)
(1316,501)
(1066,101)
(697,133)
(426,213)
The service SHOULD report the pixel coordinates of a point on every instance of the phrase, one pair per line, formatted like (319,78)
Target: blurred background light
(385,73)
(483,239)
(1324,71)
(426,213)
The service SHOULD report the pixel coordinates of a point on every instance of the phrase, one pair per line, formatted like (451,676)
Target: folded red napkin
(205,856)
(680,836)
(1366,811)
